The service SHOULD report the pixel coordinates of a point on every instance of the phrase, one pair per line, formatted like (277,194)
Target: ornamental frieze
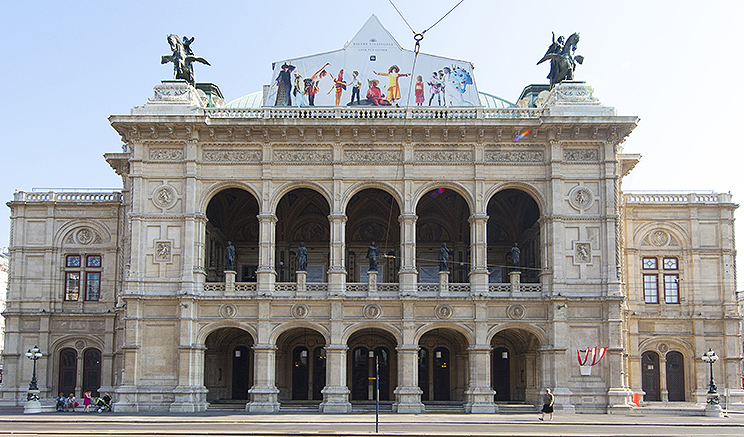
(513,156)
(218,155)
(451,156)
(372,156)
(303,156)
(166,154)
(581,155)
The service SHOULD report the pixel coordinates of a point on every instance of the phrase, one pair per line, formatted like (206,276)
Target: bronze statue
(301,256)
(515,255)
(374,257)
(230,256)
(562,59)
(443,258)
(182,58)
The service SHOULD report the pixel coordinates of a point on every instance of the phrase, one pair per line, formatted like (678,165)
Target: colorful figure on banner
(456,81)
(436,85)
(419,91)
(339,85)
(374,94)
(311,84)
(298,90)
(356,86)
(393,89)
(284,86)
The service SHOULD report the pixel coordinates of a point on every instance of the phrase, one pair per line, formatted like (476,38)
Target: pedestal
(33,405)
(301,281)
(230,276)
(443,283)
(372,281)
(515,280)
(713,406)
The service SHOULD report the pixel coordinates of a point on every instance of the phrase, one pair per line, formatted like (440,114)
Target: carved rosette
(164,197)
(580,198)
(663,348)
(515,312)
(228,311)
(300,311)
(80,345)
(444,311)
(659,238)
(528,156)
(372,311)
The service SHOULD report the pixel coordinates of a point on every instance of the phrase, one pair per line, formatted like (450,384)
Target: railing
(246,287)
(374,113)
(677,198)
(427,288)
(212,287)
(499,288)
(54,196)
(360,289)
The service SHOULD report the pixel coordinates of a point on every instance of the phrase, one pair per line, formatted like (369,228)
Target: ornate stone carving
(372,156)
(659,238)
(444,311)
(583,253)
(85,236)
(580,198)
(300,311)
(663,348)
(372,311)
(166,154)
(80,345)
(514,156)
(303,156)
(164,197)
(163,251)
(221,155)
(228,311)
(515,312)
(572,93)
(450,156)
(174,92)
(581,155)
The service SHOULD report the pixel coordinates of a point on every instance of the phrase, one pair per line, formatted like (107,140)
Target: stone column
(408,393)
(479,395)
(337,267)
(335,393)
(266,274)
(264,394)
(479,258)
(619,395)
(190,395)
(408,274)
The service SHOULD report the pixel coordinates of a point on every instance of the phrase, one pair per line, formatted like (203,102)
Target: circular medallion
(228,311)
(84,236)
(659,238)
(371,311)
(515,312)
(300,311)
(164,197)
(581,198)
(663,347)
(80,344)
(444,311)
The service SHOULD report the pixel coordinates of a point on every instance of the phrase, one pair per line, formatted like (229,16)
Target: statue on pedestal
(301,256)
(515,255)
(562,59)
(374,257)
(230,256)
(182,58)
(443,258)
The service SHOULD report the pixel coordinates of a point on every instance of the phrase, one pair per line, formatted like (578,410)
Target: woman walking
(547,407)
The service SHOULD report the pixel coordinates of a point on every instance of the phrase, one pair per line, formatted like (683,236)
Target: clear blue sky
(67,66)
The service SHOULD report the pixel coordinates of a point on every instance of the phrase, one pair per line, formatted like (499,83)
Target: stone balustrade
(371,113)
(677,198)
(66,196)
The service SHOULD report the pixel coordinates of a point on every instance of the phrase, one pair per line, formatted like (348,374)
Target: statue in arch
(301,256)
(443,258)
(373,255)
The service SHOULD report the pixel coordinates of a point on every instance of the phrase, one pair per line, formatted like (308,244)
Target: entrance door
(441,374)
(650,376)
(363,374)
(675,376)
(240,373)
(67,371)
(92,371)
(501,374)
(319,372)
(423,376)
(300,373)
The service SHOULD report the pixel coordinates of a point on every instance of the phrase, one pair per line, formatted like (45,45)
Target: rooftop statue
(182,58)
(562,59)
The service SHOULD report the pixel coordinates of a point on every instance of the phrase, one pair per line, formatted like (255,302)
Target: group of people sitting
(69,403)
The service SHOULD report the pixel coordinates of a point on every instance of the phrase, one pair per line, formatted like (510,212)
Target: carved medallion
(580,198)
(515,312)
(164,197)
(300,311)
(663,347)
(444,311)
(84,236)
(372,311)
(228,311)
(80,345)
(659,237)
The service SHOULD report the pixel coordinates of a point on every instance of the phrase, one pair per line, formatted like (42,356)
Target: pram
(102,405)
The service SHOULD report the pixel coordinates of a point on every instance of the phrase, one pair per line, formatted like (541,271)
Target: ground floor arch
(442,365)
(368,349)
(515,365)
(228,364)
(300,365)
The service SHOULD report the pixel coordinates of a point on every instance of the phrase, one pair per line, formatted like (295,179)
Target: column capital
(267,217)
(338,217)
(407,218)
(478,218)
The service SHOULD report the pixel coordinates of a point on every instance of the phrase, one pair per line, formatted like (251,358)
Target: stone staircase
(517,409)
(434,407)
(227,406)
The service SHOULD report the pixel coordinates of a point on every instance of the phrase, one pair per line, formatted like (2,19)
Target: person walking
(547,407)
(87,395)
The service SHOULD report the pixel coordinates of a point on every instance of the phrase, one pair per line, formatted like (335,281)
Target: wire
(445,15)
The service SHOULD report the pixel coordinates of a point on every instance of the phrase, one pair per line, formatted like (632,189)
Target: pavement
(14,422)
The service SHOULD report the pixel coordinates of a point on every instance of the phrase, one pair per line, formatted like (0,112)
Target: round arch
(529,189)
(538,332)
(677,231)
(454,186)
(289,326)
(361,186)
(214,189)
(653,344)
(203,333)
(426,328)
(69,227)
(357,327)
(68,341)
(288,187)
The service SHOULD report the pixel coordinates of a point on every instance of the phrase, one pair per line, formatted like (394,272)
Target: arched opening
(442,218)
(443,365)
(302,217)
(67,371)
(369,348)
(300,365)
(228,365)
(515,366)
(372,217)
(232,217)
(92,370)
(675,376)
(513,218)
(650,376)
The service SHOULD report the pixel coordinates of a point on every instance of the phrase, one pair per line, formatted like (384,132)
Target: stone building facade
(130,292)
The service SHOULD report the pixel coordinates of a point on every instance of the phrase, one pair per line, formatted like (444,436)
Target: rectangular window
(671,288)
(92,285)
(650,263)
(72,286)
(73,261)
(650,289)
(94,261)
(670,264)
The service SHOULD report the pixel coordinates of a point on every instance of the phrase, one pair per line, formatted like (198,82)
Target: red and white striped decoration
(596,354)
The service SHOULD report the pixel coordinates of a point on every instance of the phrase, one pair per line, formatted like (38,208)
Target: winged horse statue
(562,59)
(182,58)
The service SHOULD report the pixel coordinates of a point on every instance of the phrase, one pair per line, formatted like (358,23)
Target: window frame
(665,279)
(87,271)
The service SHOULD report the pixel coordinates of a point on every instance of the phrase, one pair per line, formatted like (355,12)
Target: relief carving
(583,253)
(163,251)
(373,156)
(218,155)
(372,311)
(303,156)
(581,155)
(453,156)
(164,197)
(513,156)
(581,198)
(166,154)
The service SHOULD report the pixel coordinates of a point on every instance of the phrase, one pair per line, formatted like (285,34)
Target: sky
(68,65)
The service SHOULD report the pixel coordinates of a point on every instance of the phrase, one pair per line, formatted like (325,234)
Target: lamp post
(713,407)
(33,405)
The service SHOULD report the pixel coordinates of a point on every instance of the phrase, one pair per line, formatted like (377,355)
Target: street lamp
(33,355)
(710,357)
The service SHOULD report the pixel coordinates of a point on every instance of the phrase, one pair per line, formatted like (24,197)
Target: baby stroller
(102,405)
